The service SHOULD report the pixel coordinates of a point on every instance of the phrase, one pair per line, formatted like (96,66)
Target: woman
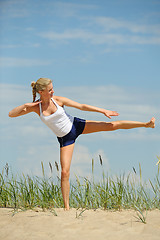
(67,128)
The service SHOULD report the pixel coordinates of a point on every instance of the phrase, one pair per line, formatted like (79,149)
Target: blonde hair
(40,85)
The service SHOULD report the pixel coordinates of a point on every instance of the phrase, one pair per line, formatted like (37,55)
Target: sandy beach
(72,225)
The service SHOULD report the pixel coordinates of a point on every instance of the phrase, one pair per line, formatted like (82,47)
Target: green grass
(110,193)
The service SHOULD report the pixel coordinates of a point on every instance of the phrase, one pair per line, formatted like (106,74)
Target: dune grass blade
(140,172)
(80,214)
(140,215)
(42,168)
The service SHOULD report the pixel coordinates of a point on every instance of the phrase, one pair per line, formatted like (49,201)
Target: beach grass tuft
(109,193)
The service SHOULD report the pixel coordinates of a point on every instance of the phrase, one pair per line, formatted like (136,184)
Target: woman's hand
(109,113)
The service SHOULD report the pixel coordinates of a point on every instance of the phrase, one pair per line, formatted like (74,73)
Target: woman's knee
(113,126)
(65,174)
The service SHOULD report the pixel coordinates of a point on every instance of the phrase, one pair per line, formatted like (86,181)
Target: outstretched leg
(96,126)
(65,158)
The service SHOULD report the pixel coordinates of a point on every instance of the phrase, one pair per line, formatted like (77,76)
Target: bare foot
(151,123)
(66,209)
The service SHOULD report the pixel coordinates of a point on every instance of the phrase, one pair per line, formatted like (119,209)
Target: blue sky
(103,53)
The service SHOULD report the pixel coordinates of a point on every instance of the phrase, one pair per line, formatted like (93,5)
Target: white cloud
(138,135)
(109,24)
(14,8)
(29,45)
(82,162)
(22,62)
(100,38)
(113,31)
(68,9)
(24,8)
(67,35)
(2,46)
(30,157)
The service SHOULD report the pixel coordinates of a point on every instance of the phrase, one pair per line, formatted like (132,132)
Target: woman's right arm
(24,109)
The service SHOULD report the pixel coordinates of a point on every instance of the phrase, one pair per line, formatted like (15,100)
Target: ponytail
(33,85)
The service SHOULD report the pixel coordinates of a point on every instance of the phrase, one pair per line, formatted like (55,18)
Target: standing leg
(65,158)
(96,126)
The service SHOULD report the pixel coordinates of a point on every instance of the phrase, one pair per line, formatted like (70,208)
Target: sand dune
(70,225)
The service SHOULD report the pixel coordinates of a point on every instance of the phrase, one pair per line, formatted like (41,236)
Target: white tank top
(59,122)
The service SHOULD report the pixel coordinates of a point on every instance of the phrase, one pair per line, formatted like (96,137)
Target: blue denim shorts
(77,129)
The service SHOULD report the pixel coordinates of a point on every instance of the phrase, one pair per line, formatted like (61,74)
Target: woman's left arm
(85,107)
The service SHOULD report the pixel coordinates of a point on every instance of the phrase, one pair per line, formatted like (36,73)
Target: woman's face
(48,92)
